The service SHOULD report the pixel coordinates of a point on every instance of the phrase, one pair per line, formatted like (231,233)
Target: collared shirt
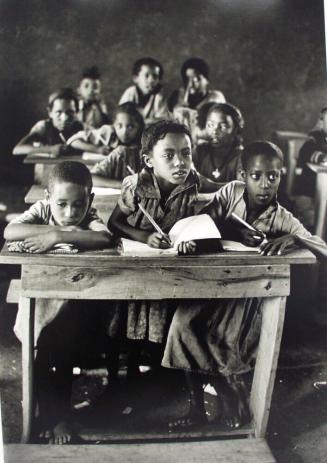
(275,221)
(92,114)
(155,108)
(47,134)
(40,214)
(144,187)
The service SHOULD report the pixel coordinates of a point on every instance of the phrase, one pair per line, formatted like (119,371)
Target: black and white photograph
(163,227)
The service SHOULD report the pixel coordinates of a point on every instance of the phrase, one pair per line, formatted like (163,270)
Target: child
(62,327)
(146,92)
(216,341)
(167,189)
(219,159)
(120,141)
(92,110)
(314,150)
(195,91)
(50,135)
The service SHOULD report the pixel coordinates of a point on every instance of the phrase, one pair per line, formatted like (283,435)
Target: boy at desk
(50,135)
(119,142)
(92,110)
(215,341)
(62,328)
(146,92)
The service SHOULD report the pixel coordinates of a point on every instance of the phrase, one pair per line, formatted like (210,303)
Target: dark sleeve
(172,100)
(307,150)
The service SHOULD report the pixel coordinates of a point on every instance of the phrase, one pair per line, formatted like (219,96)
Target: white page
(196,227)
(105,191)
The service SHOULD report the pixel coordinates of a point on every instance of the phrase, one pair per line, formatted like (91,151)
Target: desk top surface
(45,159)
(111,258)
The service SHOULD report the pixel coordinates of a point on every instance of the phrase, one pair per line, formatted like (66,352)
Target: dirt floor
(298,420)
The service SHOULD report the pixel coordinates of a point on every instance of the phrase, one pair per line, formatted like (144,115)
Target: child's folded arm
(20,231)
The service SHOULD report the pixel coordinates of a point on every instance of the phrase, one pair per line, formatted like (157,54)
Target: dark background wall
(267,56)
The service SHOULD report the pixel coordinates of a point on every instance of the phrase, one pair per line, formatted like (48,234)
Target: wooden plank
(111,258)
(13,292)
(182,282)
(27,305)
(273,312)
(231,451)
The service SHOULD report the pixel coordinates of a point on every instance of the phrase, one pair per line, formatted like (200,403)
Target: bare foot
(45,434)
(61,434)
(239,387)
(191,420)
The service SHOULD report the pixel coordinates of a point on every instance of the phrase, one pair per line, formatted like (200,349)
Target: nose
(179,160)
(69,212)
(264,183)
(64,116)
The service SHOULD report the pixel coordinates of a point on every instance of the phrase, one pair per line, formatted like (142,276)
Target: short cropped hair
(151,62)
(91,73)
(63,94)
(158,131)
(195,63)
(130,109)
(70,172)
(265,148)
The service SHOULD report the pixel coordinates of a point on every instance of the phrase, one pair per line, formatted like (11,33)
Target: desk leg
(320,203)
(273,312)
(28,306)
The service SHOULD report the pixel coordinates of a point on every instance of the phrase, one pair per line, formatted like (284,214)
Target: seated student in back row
(64,330)
(215,341)
(92,110)
(50,135)
(147,92)
(219,158)
(314,150)
(120,142)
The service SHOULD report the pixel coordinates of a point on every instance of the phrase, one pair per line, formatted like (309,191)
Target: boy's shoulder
(42,126)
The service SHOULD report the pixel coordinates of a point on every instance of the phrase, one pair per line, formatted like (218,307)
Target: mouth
(263,197)
(180,174)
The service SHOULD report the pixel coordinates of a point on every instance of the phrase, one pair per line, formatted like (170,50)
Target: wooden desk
(106,275)
(320,199)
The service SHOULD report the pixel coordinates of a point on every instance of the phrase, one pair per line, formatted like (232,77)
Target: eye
(273,177)
(187,153)
(255,176)
(62,205)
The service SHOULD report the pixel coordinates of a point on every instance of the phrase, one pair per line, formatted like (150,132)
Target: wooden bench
(231,451)
(13,292)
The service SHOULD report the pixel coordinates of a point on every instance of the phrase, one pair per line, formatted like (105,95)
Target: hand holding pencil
(250,235)
(159,239)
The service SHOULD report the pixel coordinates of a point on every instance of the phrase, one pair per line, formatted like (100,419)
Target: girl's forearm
(83,146)
(20,231)
(24,149)
(126,231)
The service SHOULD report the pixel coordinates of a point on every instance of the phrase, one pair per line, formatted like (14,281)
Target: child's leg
(233,398)
(197,414)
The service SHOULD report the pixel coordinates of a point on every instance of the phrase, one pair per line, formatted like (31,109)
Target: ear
(320,123)
(135,79)
(46,194)
(147,160)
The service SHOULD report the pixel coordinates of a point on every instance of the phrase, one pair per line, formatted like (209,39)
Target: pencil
(102,140)
(62,137)
(151,220)
(130,170)
(238,219)
(247,225)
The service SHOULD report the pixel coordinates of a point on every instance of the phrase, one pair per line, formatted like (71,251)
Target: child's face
(195,82)
(262,178)
(90,89)
(69,203)
(171,159)
(220,128)
(126,128)
(62,113)
(147,79)
(323,122)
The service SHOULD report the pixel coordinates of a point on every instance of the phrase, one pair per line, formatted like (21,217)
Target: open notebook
(196,227)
